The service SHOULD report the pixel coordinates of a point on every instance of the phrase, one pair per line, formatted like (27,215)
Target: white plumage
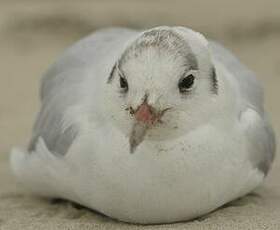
(146,127)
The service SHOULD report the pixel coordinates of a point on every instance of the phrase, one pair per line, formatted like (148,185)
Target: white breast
(170,181)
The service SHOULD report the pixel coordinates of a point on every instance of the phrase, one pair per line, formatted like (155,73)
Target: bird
(148,126)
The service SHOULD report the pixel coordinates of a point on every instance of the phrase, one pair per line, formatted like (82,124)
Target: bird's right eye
(123,84)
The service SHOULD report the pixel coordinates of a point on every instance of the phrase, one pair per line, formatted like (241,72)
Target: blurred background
(33,33)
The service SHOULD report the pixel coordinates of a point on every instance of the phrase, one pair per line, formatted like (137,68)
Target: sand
(33,33)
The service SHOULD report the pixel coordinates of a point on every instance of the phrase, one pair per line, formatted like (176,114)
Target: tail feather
(38,170)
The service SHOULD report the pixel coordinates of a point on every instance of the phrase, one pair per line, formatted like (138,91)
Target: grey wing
(55,102)
(267,145)
(260,139)
(250,89)
(260,135)
(61,89)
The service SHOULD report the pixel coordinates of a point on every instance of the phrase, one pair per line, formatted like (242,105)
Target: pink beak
(145,114)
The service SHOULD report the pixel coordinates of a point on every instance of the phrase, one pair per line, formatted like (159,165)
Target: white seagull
(154,126)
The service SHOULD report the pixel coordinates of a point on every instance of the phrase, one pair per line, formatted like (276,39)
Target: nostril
(164,111)
(131,110)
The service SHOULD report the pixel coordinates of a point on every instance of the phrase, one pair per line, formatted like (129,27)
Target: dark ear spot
(214,80)
(112,73)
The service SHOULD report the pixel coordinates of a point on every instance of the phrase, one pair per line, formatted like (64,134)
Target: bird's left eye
(123,83)
(186,83)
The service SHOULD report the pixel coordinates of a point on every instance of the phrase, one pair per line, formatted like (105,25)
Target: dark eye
(123,83)
(186,83)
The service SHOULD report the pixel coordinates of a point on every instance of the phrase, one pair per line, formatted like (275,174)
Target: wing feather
(61,88)
(259,133)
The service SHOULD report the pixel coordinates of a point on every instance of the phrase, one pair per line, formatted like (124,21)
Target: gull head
(163,85)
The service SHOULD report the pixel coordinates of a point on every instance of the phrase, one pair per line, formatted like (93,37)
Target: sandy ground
(33,33)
